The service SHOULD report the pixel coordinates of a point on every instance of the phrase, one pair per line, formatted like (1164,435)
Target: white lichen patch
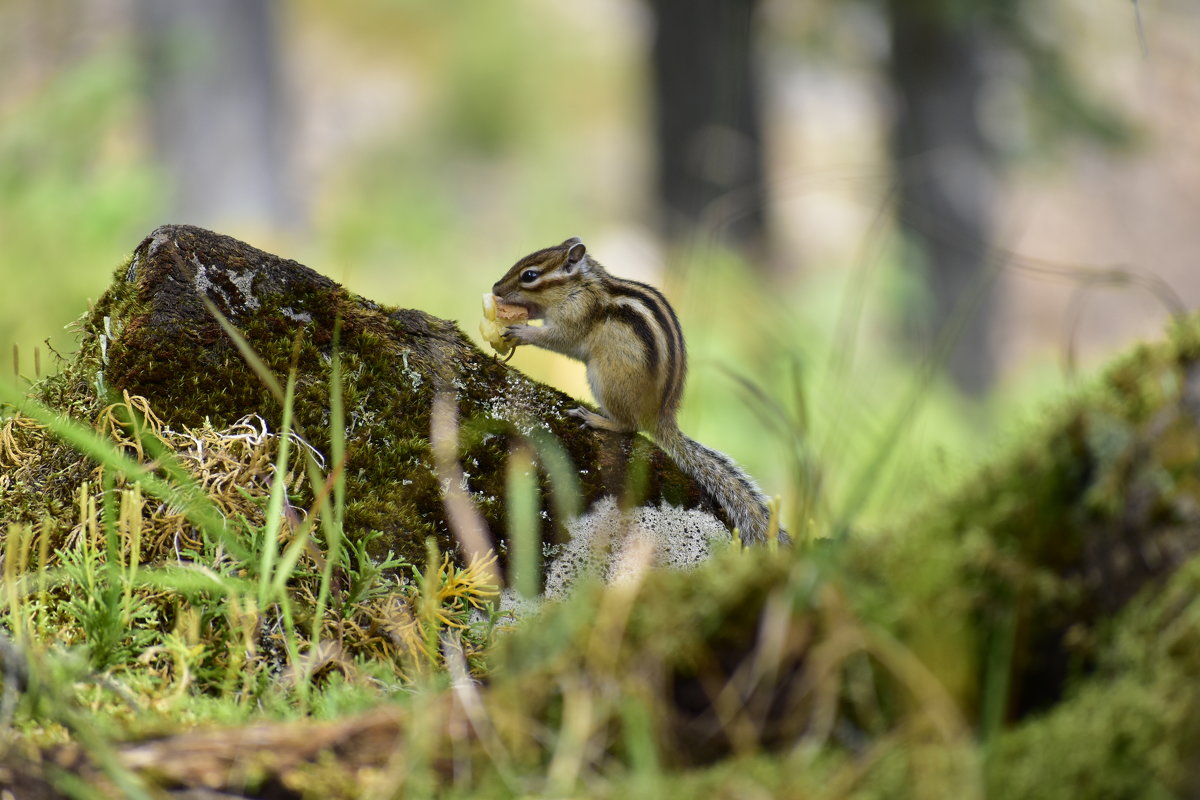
(244,283)
(619,545)
(296,316)
(415,378)
(515,403)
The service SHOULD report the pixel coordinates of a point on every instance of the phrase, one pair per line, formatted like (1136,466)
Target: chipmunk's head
(542,279)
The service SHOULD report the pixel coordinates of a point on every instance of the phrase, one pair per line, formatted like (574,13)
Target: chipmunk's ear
(575,249)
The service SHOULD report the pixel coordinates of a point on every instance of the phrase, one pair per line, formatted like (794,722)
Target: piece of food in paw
(497,316)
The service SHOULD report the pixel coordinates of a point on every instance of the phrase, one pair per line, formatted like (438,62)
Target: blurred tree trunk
(216,109)
(708,131)
(946,175)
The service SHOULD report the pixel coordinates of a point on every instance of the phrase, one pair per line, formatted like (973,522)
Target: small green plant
(366,578)
(115,621)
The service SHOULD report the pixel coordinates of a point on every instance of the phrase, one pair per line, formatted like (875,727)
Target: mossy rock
(152,335)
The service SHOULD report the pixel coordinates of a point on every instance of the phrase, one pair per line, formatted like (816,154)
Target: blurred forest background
(879,220)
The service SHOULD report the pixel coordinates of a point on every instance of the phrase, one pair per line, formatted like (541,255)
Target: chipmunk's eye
(529,276)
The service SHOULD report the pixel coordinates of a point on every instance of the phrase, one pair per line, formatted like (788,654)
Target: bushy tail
(722,478)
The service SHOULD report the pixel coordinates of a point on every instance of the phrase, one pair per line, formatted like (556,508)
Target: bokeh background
(892,228)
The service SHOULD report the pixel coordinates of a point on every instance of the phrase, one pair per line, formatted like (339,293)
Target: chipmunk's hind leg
(594,420)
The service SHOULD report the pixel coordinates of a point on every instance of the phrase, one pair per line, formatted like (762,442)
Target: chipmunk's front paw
(519,334)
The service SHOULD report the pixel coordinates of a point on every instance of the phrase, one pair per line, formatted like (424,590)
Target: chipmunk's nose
(496,288)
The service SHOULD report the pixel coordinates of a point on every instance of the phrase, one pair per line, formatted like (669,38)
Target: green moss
(1131,728)
(1115,739)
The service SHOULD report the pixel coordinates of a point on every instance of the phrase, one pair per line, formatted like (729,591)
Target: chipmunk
(629,338)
